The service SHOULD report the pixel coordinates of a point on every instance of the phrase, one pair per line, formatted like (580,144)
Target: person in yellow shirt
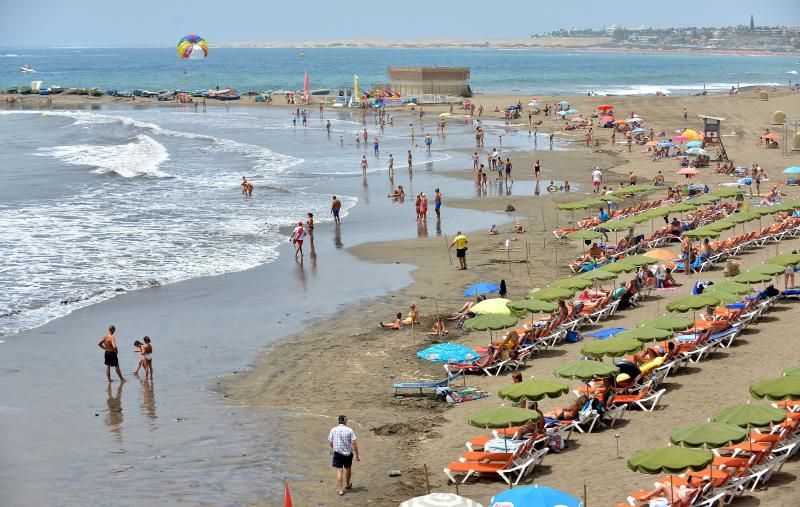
(460,242)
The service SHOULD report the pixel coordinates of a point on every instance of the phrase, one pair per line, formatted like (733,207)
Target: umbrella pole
(447,244)
(427,481)
(584,495)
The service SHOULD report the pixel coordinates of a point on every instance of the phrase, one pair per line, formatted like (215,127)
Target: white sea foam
(141,157)
(672,89)
(792,72)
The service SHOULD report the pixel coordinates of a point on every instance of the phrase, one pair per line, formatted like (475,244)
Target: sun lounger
(646,399)
(426,385)
(514,468)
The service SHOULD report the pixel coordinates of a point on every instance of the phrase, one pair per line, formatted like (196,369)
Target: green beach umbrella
(621,225)
(750,414)
(584,234)
(785,259)
(767,210)
(551,293)
(573,282)
(744,216)
(705,199)
(670,460)
(659,212)
(598,274)
(503,417)
(725,192)
(612,347)
(639,260)
(732,287)
(586,370)
(707,434)
(702,233)
(794,371)
(645,334)
(493,306)
(494,322)
(752,277)
(533,390)
(532,305)
(634,189)
(723,297)
(682,207)
(693,303)
(769,269)
(720,225)
(669,322)
(619,267)
(777,389)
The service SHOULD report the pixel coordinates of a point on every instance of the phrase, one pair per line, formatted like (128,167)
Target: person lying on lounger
(673,495)
(397,324)
(567,413)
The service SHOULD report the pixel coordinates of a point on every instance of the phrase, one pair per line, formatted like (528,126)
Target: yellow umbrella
(692,135)
(495,306)
(444,115)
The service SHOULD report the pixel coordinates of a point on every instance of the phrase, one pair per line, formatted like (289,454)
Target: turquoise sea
(493,70)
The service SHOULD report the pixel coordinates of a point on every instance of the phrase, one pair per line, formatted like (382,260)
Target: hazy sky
(159,22)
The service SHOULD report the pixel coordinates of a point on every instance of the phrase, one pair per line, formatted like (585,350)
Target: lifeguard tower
(711,135)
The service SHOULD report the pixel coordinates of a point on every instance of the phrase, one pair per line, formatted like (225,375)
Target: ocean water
(492,70)
(102,201)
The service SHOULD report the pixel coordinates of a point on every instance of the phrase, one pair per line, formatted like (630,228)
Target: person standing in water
(410,161)
(391,166)
(364,165)
(109,345)
(328,127)
(336,206)
(437,203)
(297,237)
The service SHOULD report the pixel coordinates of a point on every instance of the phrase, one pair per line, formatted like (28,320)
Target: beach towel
(464,395)
(606,333)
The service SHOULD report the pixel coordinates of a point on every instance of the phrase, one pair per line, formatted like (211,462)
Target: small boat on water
(44,91)
(125,95)
(56,90)
(81,91)
(11,90)
(27,69)
(321,91)
(24,90)
(96,92)
(228,96)
(148,93)
(71,91)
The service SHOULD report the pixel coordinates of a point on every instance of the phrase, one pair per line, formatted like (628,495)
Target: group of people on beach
(144,348)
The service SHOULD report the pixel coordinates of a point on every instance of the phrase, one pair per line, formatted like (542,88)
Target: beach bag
(573,337)
(731,268)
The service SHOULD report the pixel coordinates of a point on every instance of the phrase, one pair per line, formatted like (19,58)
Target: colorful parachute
(193,47)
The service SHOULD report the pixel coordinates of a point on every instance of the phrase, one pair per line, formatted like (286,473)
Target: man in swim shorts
(109,344)
(336,205)
(437,200)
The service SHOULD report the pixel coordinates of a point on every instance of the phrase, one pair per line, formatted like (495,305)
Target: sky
(159,22)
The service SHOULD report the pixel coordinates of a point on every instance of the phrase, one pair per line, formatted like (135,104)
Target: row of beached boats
(224,94)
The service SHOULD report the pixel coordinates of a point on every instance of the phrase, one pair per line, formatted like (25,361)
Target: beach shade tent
(503,417)
(532,305)
(552,293)
(661,254)
(450,353)
(785,260)
(572,282)
(612,347)
(732,287)
(669,323)
(692,135)
(749,414)
(440,500)
(645,334)
(792,170)
(751,276)
(777,389)
(495,306)
(481,288)
(670,460)
(605,107)
(490,322)
(534,496)
(794,371)
(693,303)
(533,390)
(688,171)
(694,144)
(696,152)
(586,370)
(709,434)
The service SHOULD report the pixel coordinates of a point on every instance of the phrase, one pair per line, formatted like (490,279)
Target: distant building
(752,23)
(429,80)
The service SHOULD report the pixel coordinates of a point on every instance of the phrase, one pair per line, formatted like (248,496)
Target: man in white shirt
(342,442)
(597,179)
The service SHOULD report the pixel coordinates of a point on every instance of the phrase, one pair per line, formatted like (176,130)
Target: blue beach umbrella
(572,111)
(694,144)
(563,103)
(481,288)
(696,151)
(792,170)
(562,113)
(665,143)
(534,496)
(637,130)
(451,353)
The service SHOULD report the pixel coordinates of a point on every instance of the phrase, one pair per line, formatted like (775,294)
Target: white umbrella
(440,500)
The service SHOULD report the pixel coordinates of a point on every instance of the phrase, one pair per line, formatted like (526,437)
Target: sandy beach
(361,360)
(344,363)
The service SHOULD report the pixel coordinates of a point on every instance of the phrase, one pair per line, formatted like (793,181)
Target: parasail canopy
(193,47)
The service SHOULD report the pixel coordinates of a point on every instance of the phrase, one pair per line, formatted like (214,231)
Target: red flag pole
(287,495)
